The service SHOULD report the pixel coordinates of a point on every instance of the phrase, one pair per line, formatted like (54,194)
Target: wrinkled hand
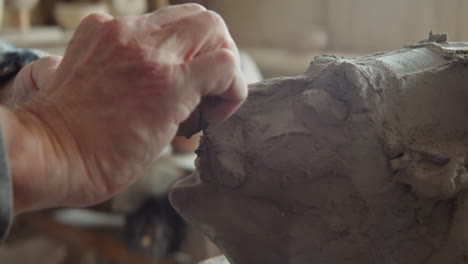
(118,98)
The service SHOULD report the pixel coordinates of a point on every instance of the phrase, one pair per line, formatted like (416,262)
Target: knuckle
(111,30)
(102,25)
(181,8)
(113,25)
(194,7)
(226,56)
(213,18)
(51,60)
(96,18)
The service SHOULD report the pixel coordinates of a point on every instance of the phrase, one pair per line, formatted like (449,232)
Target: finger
(220,108)
(217,74)
(170,14)
(199,33)
(87,30)
(44,69)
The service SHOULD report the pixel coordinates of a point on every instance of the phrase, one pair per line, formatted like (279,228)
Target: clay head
(357,161)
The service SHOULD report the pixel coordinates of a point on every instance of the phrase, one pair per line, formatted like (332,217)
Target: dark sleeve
(11,62)
(13,59)
(6,192)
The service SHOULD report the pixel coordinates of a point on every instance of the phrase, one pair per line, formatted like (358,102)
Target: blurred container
(70,14)
(21,13)
(310,40)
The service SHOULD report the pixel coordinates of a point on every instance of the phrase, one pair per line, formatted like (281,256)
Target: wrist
(33,159)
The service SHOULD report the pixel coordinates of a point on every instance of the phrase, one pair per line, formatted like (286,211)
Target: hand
(117,99)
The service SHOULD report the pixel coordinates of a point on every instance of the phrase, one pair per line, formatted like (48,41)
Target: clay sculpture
(360,160)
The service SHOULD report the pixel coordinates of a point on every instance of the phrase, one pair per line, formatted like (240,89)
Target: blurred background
(277,38)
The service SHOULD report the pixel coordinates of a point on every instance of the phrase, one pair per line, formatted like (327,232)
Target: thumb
(43,70)
(33,77)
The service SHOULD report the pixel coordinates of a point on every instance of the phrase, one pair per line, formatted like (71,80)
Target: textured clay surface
(359,160)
